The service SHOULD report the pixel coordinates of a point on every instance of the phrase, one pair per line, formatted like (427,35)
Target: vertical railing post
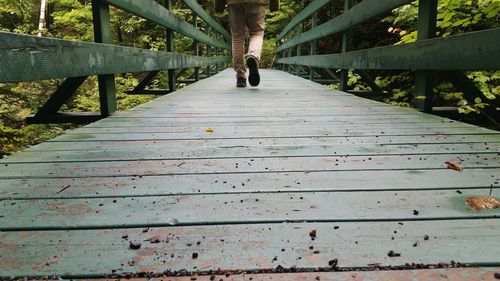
(312,51)
(282,55)
(209,67)
(169,35)
(228,53)
(288,53)
(427,16)
(102,34)
(218,53)
(299,50)
(196,50)
(209,49)
(217,65)
(346,45)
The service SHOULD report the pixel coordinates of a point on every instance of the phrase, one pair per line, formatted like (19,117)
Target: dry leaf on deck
(209,130)
(454,166)
(482,202)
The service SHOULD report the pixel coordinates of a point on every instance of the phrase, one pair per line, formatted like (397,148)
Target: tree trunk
(42,22)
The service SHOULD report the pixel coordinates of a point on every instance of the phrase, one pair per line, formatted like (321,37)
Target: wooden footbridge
(287,181)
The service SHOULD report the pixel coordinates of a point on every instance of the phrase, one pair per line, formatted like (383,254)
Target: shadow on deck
(294,177)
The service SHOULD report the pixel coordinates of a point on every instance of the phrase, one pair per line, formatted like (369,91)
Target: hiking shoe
(241,82)
(253,67)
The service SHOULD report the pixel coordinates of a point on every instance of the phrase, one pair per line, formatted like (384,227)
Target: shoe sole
(254,77)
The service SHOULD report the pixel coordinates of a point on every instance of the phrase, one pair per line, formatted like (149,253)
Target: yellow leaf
(209,130)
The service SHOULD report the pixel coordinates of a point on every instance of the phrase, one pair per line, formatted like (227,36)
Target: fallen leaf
(209,130)
(482,202)
(454,166)
(312,233)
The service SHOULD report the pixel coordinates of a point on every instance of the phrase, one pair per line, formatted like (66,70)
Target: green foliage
(268,53)
(454,17)
(17,16)
(16,103)
(71,20)
(401,88)
(276,22)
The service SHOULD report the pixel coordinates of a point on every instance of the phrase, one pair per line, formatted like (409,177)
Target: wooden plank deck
(239,203)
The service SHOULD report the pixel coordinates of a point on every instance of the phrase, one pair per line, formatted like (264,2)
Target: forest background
(72,19)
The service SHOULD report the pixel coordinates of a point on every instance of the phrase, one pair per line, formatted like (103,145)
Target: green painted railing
(454,54)
(30,58)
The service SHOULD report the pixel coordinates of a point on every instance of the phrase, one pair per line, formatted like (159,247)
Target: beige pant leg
(255,21)
(238,27)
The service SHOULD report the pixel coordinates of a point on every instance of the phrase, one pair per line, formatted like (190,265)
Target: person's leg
(255,17)
(255,20)
(238,28)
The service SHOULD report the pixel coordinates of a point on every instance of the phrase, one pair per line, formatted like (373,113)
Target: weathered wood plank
(268,133)
(127,212)
(80,254)
(180,124)
(249,111)
(344,119)
(247,165)
(229,143)
(230,128)
(217,152)
(248,183)
(456,274)
(325,113)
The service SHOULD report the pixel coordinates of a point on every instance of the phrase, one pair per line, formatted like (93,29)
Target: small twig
(66,187)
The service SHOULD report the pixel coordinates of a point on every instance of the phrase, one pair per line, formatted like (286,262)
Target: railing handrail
(199,11)
(467,51)
(304,14)
(29,58)
(155,12)
(77,58)
(360,13)
(415,56)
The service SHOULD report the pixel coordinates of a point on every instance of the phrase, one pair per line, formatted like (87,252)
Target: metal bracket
(49,111)
(72,117)
(140,89)
(465,85)
(369,80)
(331,74)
